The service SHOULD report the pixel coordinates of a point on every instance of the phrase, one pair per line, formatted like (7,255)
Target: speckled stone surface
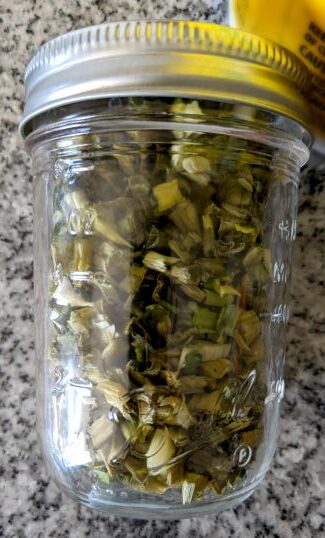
(291,500)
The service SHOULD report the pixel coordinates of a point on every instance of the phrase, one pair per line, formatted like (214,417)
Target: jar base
(165,511)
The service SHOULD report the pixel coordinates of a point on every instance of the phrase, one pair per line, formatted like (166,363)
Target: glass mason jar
(166,160)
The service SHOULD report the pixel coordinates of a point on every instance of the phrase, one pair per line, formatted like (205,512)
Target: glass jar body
(163,241)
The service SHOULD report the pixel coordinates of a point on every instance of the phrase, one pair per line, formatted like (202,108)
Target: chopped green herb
(159,279)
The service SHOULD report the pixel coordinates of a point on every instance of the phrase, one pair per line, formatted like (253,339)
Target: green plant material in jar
(158,290)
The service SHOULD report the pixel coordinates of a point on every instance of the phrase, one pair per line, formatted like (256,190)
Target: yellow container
(298,25)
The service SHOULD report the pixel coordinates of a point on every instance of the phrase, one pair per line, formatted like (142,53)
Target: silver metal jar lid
(165,58)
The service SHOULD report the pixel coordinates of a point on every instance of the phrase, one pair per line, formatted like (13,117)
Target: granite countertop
(291,500)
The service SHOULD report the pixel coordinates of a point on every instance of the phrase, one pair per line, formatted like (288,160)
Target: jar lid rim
(181,58)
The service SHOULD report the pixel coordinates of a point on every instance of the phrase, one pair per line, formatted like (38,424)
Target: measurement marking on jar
(60,169)
(59,375)
(57,273)
(276,391)
(81,221)
(81,276)
(288,229)
(243,455)
(279,272)
(280,314)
